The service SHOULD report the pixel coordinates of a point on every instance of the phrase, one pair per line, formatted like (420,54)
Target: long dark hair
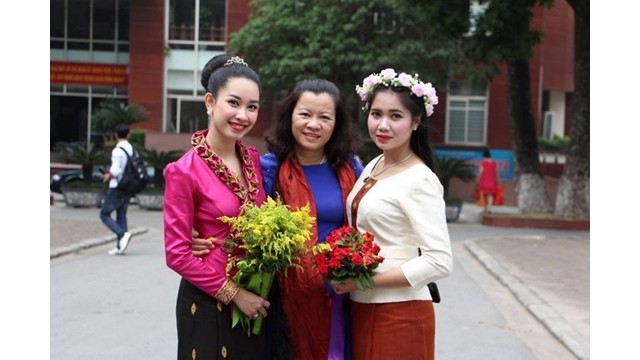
(216,74)
(344,139)
(419,142)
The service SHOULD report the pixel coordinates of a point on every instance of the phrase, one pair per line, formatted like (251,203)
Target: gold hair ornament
(235,60)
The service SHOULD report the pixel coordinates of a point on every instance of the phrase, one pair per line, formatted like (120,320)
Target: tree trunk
(158,179)
(531,192)
(573,189)
(87,173)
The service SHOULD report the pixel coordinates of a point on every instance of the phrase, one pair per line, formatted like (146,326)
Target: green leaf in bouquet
(343,271)
(273,237)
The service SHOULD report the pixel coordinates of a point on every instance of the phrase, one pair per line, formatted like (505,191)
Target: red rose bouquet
(346,254)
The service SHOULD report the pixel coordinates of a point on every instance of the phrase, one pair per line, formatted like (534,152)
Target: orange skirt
(400,330)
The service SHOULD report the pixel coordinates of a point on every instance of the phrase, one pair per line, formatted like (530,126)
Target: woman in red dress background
(488,180)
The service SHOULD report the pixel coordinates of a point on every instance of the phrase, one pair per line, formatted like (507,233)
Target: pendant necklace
(387,168)
(322,161)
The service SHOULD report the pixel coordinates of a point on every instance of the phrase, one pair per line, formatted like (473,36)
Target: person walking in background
(311,159)
(487,180)
(399,200)
(215,178)
(115,199)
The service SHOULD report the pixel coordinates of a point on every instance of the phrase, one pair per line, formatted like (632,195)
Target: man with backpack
(116,199)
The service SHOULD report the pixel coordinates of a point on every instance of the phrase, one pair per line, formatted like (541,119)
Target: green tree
(159,160)
(504,33)
(345,41)
(572,200)
(111,112)
(86,156)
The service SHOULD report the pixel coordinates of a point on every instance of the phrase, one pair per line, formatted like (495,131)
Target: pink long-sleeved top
(195,197)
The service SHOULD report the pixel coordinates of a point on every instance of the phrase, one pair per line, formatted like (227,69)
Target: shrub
(449,168)
(556,143)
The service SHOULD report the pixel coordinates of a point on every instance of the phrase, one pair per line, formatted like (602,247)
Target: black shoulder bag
(433,287)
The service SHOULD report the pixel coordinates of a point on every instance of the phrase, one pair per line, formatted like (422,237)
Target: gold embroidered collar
(225,174)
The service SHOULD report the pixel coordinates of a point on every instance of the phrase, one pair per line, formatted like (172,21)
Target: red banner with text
(88,73)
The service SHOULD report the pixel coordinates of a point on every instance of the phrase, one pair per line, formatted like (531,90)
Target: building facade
(150,52)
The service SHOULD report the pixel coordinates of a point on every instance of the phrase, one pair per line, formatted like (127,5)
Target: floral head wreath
(235,60)
(389,77)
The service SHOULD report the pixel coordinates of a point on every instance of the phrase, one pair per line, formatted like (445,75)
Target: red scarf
(304,298)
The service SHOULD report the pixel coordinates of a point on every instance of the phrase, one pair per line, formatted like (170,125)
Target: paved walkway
(68,236)
(548,275)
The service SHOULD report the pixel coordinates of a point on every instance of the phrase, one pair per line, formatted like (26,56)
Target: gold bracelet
(227,291)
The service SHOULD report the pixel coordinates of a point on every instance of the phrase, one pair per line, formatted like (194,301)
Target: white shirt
(405,212)
(119,161)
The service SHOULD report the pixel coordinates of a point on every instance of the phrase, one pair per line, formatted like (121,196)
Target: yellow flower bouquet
(273,237)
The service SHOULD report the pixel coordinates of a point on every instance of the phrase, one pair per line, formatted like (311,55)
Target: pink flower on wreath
(419,89)
(405,79)
(431,93)
(388,74)
(371,80)
(429,109)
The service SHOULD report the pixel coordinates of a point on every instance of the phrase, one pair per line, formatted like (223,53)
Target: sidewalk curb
(86,244)
(557,325)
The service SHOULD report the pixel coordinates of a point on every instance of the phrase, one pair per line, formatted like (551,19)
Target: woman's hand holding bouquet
(273,238)
(347,256)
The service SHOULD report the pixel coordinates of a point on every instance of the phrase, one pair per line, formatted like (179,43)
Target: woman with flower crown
(311,159)
(399,199)
(215,178)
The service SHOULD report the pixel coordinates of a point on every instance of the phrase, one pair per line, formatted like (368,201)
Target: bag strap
(125,151)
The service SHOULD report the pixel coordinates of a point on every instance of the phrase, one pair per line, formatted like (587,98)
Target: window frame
(466,97)
(186,57)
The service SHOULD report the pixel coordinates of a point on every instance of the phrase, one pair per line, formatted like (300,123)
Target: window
(89,26)
(466,114)
(210,23)
(123,7)
(56,26)
(196,32)
(182,20)
(186,115)
(104,17)
(212,20)
(78,19)
(94,31)
(547,128)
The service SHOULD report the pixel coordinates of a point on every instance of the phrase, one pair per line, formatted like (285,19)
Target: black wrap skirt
(204,329)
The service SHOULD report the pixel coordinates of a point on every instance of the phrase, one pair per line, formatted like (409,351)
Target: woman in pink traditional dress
(311,160)
(212,179)
(488,180)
